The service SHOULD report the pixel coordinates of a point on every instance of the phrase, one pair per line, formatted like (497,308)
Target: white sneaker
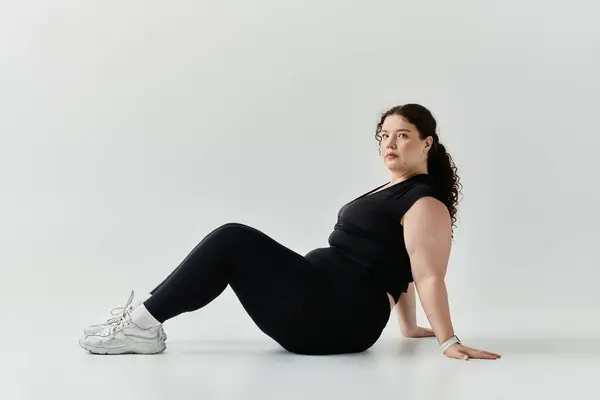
(123,336)
(116,312)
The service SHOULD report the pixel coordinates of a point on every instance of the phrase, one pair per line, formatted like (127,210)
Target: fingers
(481,354)
(493,354)
(420,332)
(466,353)
(428,332)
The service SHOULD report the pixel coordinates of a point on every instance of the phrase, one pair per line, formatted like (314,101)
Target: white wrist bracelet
(444,346)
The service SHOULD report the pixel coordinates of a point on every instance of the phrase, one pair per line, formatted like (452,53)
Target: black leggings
(321,303)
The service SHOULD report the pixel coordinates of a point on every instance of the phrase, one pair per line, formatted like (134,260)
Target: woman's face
(401,138)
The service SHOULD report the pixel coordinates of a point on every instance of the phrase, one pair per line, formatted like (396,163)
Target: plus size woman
(336,299)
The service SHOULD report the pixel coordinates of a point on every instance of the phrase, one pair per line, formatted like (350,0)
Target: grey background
(132,129)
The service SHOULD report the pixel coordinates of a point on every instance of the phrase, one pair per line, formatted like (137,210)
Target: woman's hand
(461,352)
(419,332)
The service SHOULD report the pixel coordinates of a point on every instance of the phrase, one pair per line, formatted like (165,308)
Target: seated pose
(335,299)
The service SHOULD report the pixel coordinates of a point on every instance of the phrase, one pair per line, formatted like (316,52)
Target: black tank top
(368,230)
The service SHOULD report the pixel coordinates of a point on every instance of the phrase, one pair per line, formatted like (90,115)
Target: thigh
(357,323)
(277,287)
(351,312)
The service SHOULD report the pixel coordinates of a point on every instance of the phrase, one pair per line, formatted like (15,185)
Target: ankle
(142,317)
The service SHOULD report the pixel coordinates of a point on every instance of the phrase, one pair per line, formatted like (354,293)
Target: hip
(348,289)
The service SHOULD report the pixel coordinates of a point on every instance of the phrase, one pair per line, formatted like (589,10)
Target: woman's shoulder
(420,184)
(405,197)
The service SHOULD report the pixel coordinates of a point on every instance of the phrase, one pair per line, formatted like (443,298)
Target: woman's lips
(391,156)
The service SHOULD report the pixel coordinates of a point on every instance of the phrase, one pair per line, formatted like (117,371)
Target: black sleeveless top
(368,230)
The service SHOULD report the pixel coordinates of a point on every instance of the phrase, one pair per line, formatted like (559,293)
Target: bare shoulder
(428,237)
(428,210)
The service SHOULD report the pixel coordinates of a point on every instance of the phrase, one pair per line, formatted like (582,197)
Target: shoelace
(117,322)
(118,311)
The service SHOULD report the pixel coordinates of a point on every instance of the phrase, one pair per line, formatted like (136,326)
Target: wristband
(444,346)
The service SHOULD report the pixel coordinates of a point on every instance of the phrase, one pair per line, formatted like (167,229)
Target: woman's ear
(428,143)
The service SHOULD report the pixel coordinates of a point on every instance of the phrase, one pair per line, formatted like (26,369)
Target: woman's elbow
(428,277)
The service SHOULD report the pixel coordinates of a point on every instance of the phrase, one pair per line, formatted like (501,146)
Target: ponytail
(442,169)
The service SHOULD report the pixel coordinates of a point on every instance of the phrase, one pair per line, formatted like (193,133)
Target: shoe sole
(136,348)
(96,331)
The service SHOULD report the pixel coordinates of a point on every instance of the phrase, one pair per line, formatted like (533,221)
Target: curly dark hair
(440,164)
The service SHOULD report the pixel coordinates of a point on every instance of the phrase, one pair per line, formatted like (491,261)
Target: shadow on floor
(246,348)
(526,345)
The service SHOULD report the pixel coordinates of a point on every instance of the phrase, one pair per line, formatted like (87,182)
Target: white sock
(139,302)
(142,317)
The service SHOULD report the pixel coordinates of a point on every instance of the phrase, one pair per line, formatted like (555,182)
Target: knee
(232,227)
(232,231)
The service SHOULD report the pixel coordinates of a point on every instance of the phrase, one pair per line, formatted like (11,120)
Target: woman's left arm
(428,239)
(406,315)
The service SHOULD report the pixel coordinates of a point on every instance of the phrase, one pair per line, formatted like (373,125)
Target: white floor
(217,354)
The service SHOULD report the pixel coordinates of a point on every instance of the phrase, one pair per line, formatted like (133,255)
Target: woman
(335,299)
